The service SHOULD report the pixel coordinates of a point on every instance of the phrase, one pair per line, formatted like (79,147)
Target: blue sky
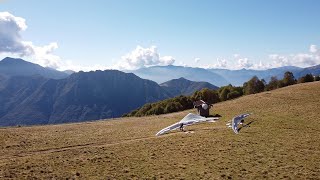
(139,33)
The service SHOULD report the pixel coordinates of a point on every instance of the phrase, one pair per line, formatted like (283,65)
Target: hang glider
(188,120)
(236,121)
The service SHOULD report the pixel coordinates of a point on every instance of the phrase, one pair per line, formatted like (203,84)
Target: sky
(132,34)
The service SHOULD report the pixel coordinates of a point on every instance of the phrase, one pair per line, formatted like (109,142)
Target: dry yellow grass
(283,141)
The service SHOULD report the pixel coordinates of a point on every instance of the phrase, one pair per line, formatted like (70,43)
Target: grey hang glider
(236,121)
(188,120)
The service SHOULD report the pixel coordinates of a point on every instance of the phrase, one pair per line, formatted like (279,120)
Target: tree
(301,80)
(156,109)
(288,79)
(309,78)
(186,102)
(254,85)
(229,92)
(143,110)
(317,78)
(233,94)
(223,95)
(273,84)
(306,78)
(172,107)
(208,95)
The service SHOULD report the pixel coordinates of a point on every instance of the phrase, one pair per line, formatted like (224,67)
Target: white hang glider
(188,120)
(236,121)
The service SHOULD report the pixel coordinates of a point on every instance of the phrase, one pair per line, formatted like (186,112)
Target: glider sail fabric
(169,128)
(236,121)
(188,120)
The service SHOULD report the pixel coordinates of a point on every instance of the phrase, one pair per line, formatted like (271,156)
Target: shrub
(274,83)
(208,95)
(288,79)
(306,78)
(173,107)
(254,85)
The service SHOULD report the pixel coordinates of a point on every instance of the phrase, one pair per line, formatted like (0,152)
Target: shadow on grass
(215,115)
(247,125)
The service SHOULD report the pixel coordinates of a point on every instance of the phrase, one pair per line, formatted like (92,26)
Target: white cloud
(313,48)
(144,57)
(278,60)
(310,58)
(300,59)
(70,65)
(196,60)
(45,57)
(236,56)
(10,39)
(166,60)
(261,66)
(244,63)
(240,62)
(182,64)
(12,42)
(222,63)
(304,59)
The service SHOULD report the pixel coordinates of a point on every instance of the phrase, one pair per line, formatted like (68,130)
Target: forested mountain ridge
(28,100)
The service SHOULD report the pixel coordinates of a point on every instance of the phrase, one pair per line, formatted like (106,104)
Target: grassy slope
(283,141)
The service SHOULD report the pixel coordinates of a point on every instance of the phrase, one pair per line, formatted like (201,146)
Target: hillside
(184,86)
(83,96)
(282,142)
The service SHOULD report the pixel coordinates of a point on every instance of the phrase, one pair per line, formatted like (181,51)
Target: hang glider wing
(169,128)
(188,120)
(236,121)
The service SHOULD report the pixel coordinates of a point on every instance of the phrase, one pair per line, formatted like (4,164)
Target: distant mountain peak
(19,67)
(182,78)
(183,86)
(9,60)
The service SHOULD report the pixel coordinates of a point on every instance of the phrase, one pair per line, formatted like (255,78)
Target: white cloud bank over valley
(143,57)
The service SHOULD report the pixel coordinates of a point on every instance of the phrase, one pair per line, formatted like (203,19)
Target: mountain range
(18,67)
(219,77)
(28,100)
(31,94)
(162,74)
(184,86)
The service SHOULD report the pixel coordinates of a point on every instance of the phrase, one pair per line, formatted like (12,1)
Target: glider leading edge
(188,120)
